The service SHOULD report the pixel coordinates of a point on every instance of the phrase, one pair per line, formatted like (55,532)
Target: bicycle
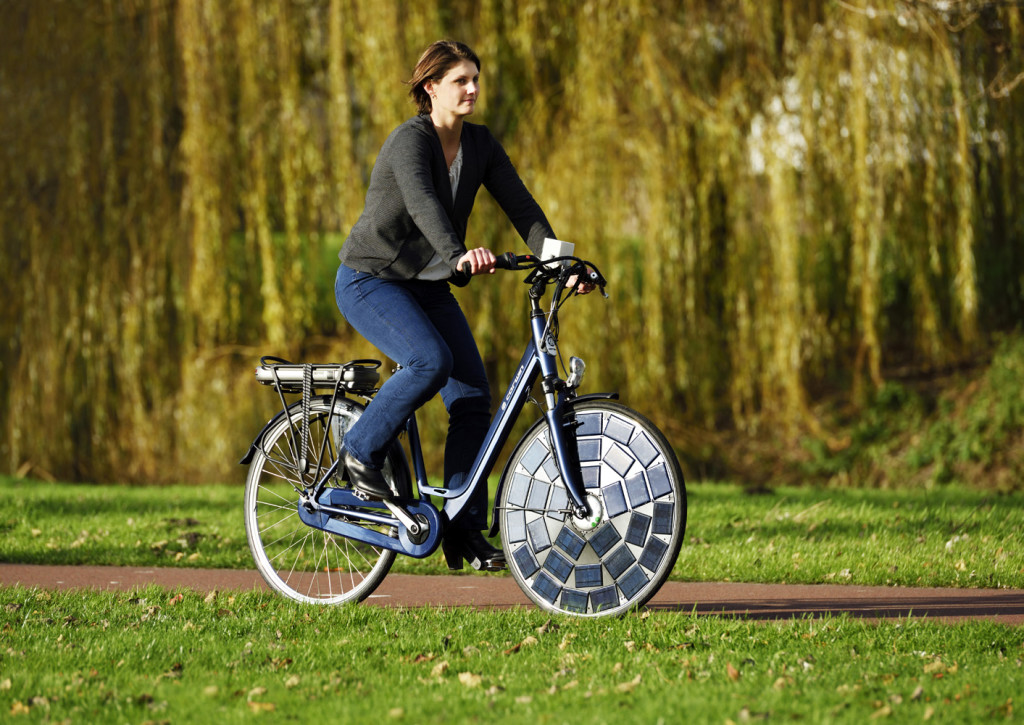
(591,504)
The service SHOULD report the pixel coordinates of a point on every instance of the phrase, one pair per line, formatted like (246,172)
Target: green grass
(946,536)
(164,656)
(964,428)
(178,656)
(949,536)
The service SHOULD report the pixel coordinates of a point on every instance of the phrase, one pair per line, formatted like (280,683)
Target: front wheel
(617,558)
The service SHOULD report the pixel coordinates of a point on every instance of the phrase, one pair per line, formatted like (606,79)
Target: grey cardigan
(410,214)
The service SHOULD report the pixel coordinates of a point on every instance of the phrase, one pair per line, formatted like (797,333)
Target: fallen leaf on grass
(548,626)
(884,711)
(470,679)
(278,663)
(733,673)
(1004,711)
(440,668)
(528,642)
(175,672)
(262,706)
(629,686)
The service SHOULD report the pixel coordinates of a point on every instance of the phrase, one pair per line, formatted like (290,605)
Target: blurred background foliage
(793,202)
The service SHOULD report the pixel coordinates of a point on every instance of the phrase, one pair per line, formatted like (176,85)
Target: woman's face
(457,92)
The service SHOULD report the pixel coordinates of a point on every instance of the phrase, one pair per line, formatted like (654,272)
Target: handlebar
(555,269)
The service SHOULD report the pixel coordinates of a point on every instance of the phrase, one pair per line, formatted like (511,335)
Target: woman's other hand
(582,288)
(480,261)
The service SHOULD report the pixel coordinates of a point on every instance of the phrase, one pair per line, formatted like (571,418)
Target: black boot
(367,481)
(474,548)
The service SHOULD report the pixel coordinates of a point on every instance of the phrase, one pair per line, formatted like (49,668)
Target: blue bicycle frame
(337,509)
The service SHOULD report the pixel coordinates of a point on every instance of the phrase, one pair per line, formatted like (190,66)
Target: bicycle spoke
(302,562)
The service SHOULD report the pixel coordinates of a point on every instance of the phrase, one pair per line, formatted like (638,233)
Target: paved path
(752,601)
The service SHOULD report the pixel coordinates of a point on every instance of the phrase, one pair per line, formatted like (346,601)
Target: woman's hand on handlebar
(582,288)
(479,260)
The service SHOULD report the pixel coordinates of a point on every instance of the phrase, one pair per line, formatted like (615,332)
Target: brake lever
(598,280)
(587,273)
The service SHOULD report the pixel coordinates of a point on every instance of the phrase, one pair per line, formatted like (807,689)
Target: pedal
(363,496)
(491,566)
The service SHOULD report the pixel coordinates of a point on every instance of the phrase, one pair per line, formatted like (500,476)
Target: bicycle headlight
(576,370)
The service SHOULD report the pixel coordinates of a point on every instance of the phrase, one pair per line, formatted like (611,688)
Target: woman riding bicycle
(393,283)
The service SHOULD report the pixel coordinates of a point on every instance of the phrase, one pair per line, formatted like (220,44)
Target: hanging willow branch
(787,197)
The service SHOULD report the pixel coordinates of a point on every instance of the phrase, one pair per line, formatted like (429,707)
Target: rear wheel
(617,558)
(304,563)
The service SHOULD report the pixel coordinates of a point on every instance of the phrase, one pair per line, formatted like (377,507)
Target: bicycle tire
(617,562)
(304,563)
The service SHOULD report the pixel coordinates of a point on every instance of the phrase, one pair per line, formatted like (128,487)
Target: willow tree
(786,197)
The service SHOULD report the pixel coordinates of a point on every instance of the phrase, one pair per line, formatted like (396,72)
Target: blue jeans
(419,325)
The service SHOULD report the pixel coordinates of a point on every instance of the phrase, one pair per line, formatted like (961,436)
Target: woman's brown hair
(436,60)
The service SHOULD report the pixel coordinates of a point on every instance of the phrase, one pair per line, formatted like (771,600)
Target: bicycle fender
(254,446)
(567,403)
(591,396)
(247,458)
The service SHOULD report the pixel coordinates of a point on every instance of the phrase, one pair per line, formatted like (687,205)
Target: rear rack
(357,376)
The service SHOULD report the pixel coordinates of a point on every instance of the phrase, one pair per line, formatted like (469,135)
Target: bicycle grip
(506,261)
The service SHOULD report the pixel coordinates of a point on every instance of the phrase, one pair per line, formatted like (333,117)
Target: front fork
(559,414)
(562,426)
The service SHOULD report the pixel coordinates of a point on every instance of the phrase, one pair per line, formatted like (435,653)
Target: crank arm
(408,521)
